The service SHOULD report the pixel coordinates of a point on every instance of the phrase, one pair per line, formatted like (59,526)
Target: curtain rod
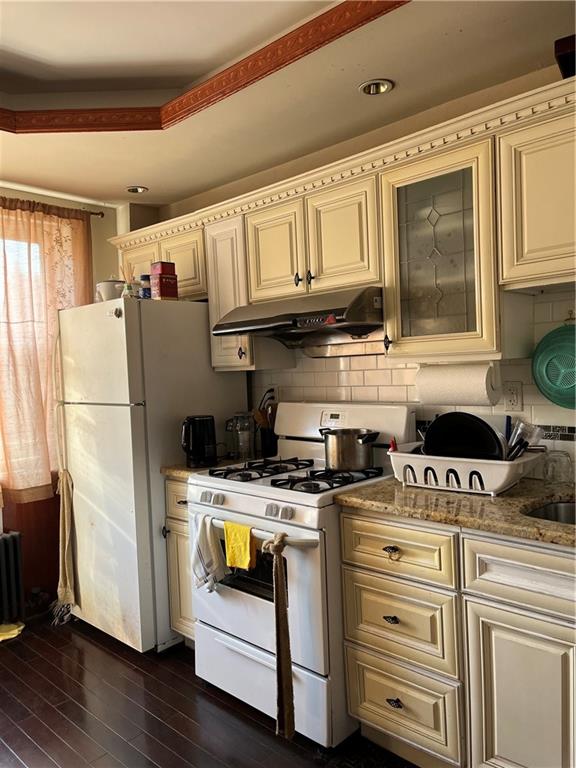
(100,214)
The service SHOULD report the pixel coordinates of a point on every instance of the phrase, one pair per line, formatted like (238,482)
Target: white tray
(461,475)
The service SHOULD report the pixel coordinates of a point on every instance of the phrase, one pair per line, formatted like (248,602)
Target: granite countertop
(182,472)
(499,514)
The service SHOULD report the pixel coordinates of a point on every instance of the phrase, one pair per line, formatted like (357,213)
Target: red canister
(164,287)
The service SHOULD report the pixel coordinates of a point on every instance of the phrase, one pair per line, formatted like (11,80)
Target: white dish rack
(462,475)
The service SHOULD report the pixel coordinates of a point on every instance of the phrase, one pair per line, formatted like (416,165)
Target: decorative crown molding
(540,104)
(313,34)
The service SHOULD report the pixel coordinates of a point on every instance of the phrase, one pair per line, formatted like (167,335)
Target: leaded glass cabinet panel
(438,231)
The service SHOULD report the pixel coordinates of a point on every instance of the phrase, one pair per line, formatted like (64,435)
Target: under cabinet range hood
(310,320)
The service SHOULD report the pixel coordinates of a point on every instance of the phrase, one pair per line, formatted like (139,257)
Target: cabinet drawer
(404,703)
(249,673)
(538,579)
(400,550)
(176,505)
(414,624)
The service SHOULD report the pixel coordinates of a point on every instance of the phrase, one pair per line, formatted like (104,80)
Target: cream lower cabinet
(402,637)
(521,688)
(521,653)
(187,253)
(417,683)
(439,256)
(227,289)
(538,204)
(178,554)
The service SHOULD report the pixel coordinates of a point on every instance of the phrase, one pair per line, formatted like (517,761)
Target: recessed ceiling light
(376,87)
(137,190)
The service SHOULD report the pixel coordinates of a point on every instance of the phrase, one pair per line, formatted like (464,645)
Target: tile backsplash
(377,378)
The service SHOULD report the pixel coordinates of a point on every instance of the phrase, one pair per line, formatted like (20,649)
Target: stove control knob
(218,499)
(272,510)
(287,513)
(205,497)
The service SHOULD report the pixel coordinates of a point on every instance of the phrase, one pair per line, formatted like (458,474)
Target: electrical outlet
(513,396)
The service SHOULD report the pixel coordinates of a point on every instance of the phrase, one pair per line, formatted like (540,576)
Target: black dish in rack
(319,480)
(257,469)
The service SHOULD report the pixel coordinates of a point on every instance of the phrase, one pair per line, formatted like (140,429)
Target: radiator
(11,585)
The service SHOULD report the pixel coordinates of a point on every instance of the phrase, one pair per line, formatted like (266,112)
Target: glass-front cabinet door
(437,218)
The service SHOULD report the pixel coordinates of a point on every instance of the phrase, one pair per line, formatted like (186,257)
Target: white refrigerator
(130,372)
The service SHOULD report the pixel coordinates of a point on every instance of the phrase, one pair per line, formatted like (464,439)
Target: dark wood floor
(71,697)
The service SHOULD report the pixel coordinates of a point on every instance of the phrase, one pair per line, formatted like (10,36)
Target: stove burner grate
(318,480)
(259,468)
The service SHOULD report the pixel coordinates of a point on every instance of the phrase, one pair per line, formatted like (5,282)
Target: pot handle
(324,430)
(369,437)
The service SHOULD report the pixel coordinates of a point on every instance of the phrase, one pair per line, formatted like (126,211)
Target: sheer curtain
(45,265)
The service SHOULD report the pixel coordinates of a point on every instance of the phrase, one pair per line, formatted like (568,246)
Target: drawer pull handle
(395,703)
(391,619)
(392,551)
(182,502)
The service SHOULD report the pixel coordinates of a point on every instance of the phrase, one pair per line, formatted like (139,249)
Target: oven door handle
(290,541)
(243,652)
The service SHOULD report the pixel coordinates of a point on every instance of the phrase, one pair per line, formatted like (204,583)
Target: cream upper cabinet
(538,204)
(440,281)
(226,264)
(521,689)
(227,289)
(343,236)
(187,252)
(276,258)
(137,260)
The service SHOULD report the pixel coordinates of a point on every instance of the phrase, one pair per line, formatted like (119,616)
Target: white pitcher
(108,289)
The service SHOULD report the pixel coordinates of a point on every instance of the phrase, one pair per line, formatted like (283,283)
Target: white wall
(104,255)
(375,378)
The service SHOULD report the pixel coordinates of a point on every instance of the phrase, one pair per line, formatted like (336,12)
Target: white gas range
(293,493)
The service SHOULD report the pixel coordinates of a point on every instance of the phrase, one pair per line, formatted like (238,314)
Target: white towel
(208,563)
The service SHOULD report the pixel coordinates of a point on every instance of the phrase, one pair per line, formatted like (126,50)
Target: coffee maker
(199,441)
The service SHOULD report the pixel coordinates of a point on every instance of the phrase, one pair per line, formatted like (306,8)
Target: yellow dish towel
(10,631)
(240,546)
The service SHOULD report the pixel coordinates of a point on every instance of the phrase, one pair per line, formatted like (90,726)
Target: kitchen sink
(557,511)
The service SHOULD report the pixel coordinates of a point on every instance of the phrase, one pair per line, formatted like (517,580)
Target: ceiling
(434,51)
(152,50)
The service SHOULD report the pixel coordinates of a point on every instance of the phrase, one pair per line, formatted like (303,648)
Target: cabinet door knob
(387,343)
(395,703)
(241,353)
(118,312)
(297,279)
(165,531)
(391,619)
(392,551)
(310,277)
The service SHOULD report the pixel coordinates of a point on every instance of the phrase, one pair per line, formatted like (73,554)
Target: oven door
(243,604)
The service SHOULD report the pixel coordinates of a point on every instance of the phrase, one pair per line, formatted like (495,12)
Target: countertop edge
(500,515)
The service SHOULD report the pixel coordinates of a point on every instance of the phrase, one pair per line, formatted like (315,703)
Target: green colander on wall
(554,366)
